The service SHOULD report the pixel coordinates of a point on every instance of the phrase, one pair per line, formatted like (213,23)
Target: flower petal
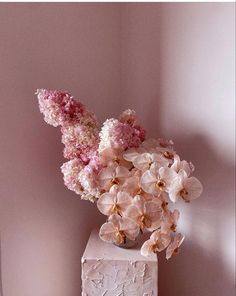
(148,183)
(115,219)
(146,249)
(123,200)
(105,203)
(107,232)
(129,227)
(194,187)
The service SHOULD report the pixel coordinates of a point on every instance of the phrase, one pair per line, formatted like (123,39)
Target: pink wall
(174,64)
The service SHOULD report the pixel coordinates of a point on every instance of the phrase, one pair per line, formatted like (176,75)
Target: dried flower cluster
(131,179)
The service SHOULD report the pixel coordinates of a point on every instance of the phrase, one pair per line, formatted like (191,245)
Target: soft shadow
(205,264)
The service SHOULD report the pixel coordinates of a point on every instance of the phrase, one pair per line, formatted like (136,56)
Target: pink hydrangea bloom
(80,141)
(88,179)
(79,126)
(116,134)
(59,107)
(70,170)
(129,117)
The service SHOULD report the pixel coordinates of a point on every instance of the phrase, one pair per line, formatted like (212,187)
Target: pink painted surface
(174,64)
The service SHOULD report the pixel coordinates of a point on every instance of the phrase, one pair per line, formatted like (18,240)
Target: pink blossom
(147,214)
(182,165)
(117,229)
(59,107)
(88,179)
(115,134)
(111,156)
(112,175)
(185,188)
(157,243)
(129,117)
(79,126)
(70,170)
(114,201)
(157,179)
(173,247)
(169,221)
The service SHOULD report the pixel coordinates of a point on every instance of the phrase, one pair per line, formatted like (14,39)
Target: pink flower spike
(173,247)
(59,107)
(71,170)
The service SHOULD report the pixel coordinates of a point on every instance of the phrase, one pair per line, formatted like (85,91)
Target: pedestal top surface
(98,249)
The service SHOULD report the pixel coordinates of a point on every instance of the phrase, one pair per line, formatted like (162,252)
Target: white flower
(157,179)
(185,188)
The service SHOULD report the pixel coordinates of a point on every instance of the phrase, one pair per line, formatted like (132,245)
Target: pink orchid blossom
(157,243)
(132,184)
(185,188)
(147,214)
(111,156)
(157,179)
(117,229)
(114,202)
(182,165)
(145,160)
(173,247)
(169,221)
(112,175)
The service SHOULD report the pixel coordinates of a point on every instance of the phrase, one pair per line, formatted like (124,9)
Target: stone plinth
(108,270)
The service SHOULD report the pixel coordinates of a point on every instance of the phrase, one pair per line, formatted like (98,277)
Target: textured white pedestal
(108,270)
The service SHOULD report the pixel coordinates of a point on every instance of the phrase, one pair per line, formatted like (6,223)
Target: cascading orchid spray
(131,179)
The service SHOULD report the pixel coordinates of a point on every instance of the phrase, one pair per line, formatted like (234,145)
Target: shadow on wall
(205,264)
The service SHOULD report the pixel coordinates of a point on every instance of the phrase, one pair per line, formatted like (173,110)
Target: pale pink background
(174,64)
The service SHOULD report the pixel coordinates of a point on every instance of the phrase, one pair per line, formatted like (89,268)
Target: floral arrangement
(131,179)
